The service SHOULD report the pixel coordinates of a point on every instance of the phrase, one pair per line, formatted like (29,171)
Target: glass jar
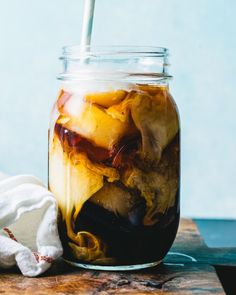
(114,157)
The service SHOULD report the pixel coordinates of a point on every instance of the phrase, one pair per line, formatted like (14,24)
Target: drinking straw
(87,24)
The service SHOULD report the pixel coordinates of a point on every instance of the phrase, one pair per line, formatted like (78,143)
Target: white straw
(87,24)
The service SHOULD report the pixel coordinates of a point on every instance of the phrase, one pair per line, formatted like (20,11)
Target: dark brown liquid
(134,217)
(127,243)
(117,157)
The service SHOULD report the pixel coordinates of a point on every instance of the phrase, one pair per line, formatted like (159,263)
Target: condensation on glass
(114,157)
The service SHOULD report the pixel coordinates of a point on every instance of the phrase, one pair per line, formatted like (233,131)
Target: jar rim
(78,52)
(126,63)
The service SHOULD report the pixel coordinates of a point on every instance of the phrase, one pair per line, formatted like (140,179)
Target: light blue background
(201,36)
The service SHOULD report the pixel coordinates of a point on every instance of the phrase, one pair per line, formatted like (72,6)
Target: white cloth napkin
(28,225)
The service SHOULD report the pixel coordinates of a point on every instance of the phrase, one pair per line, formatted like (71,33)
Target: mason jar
(114,157)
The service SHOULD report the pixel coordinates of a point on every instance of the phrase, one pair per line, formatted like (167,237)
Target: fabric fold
(28,225)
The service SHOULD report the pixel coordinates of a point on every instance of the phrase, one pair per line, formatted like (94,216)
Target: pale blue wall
(202,38)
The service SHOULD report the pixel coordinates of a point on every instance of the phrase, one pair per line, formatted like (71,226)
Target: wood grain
(178,275)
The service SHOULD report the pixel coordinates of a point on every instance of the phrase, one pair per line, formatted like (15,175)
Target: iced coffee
(114,170)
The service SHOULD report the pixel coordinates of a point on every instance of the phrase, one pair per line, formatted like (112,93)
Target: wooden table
(191,273)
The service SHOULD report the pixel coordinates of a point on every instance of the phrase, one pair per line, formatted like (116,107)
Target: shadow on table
(227,276)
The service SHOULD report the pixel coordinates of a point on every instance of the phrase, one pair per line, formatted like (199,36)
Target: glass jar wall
(114,157)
